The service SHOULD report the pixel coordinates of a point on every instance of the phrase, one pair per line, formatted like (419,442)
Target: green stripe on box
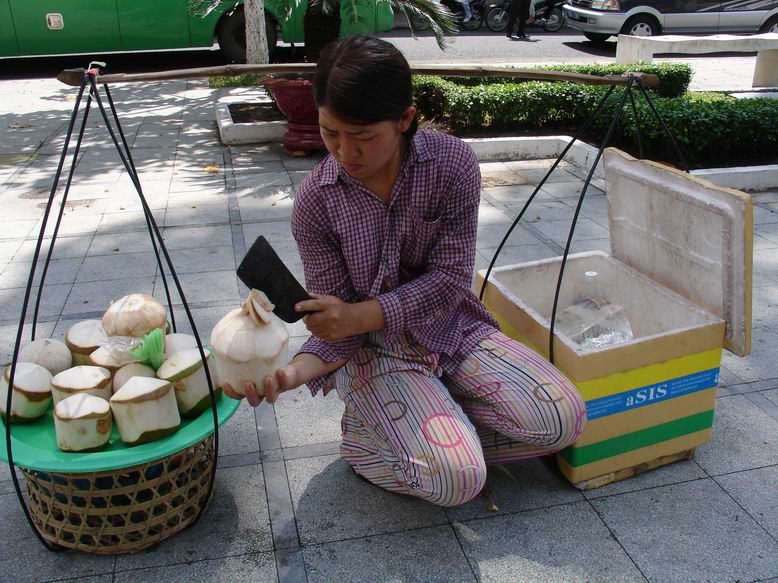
(579,456)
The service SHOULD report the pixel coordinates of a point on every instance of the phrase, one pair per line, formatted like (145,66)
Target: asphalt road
(481,46)
(484,46)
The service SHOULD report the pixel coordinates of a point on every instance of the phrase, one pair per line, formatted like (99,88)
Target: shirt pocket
(420,241)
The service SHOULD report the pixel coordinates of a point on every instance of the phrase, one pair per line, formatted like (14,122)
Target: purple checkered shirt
(414,255)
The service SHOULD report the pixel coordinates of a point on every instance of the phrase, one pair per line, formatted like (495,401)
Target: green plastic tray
(35,444)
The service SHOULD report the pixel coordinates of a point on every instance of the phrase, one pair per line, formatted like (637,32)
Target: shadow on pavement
(134,62)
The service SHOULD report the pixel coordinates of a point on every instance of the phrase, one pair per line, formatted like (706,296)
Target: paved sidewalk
(287,508)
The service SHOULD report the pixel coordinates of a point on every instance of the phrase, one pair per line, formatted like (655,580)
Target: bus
(60,27)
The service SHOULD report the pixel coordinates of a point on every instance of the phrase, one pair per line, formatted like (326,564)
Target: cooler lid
(687,234)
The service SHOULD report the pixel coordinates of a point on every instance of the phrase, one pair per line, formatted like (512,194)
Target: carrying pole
(73,77)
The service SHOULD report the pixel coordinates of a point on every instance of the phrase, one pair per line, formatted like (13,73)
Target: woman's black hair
(364,80)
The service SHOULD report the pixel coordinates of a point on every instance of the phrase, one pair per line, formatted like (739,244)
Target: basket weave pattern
(124,510)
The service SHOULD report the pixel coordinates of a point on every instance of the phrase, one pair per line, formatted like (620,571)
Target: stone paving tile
(60,271)
(239,434)
(201,260)
(114,244)
(755,491)
(8,249)
(690,532)
(535,175)
(279,234)
(541,210)
(205,318)
(561,544)
(331,503)
(64,248)
(119,266)
(196,237)
(744,438)
(98,579)
(512,195)
(52,303)
(571,191)
(303,419)
(23,558)
(427,555)
(534,483)
(243,180)
(18,229)
(760,364)
(212,286)
(510,255)
(97,295)
(265,203)
(8,338)
(260,167)
(559,231)
(194,213)
(124,221)
(259,568)
(236,523)
(683,471)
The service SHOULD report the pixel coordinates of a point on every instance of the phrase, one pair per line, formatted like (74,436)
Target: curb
(752,178)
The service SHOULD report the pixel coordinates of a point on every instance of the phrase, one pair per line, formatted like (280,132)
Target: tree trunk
(256,35)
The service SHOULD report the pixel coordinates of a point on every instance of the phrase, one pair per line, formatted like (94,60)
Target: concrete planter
(232,133)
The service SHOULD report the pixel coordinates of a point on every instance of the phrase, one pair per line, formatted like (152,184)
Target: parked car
(48,27)
(600,19)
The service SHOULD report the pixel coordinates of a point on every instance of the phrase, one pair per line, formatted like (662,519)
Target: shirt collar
(419,152)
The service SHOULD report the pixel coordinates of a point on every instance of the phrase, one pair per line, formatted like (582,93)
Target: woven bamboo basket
(123,510)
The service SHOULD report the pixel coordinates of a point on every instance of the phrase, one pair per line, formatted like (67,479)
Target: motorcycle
(477,7)
(548,14)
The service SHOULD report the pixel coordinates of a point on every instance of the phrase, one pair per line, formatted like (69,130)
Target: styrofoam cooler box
(680,264)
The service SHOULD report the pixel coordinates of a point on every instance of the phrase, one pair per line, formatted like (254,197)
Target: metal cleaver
(262,269)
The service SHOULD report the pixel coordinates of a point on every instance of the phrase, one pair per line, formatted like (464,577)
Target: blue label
(652,394)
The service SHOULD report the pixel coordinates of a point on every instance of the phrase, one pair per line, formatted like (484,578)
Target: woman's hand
(333,318)
(287,378)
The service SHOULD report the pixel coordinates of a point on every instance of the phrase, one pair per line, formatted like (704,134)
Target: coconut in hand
(250,343)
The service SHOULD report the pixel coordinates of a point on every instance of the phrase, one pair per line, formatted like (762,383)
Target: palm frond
(431,13)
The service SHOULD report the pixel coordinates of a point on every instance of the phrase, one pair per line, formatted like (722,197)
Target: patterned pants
(409,431)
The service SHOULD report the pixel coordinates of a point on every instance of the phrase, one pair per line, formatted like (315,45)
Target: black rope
(136,182)
(637,123)
(644,91)
(561,156)
(19,332)
(614,121)
(79,140)
(179,288)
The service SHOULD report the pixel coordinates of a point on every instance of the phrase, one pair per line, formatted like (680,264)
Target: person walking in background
(519,11)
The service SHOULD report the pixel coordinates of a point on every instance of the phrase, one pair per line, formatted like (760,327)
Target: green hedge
(674,78)
(712,129)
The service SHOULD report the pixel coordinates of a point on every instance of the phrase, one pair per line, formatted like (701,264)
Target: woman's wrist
(366,316)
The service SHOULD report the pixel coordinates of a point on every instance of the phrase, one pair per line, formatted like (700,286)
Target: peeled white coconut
(178,341)
(84,338)
(31,392)
(83,422)
(52,355)
(134,315)
(92,380)
(145,410)
(104,358)
(186,371)
(250,343)
(134,369)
